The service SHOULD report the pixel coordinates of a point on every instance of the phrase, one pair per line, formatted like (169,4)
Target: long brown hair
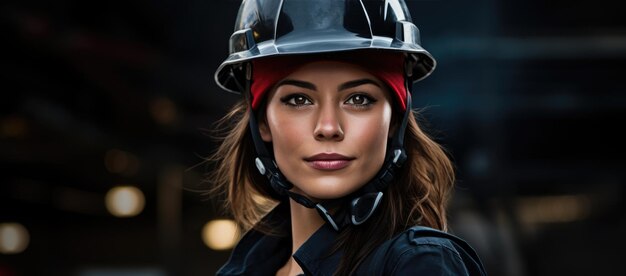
(418,197)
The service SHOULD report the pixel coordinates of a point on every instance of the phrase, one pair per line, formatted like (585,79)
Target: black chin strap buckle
(268,168)
(260,166)
(326,216)
(362,208)
(399,157)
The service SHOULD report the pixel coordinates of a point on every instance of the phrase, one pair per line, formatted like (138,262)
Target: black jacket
(417,251)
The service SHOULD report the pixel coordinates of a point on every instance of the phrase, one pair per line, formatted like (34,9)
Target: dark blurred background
(529,97)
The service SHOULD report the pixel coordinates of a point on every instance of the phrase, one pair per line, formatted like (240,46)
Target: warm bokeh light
(220,234)
(125,201)
(13,127)
(14,238)
(553,209)
(163,110)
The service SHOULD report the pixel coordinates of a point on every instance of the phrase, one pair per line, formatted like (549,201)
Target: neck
(304,222)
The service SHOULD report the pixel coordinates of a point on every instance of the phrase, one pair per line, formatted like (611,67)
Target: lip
(328,161)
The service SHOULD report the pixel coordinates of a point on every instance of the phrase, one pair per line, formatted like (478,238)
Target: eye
(360,100)
(296,100)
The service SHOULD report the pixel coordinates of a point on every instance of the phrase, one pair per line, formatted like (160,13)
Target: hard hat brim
(328,42)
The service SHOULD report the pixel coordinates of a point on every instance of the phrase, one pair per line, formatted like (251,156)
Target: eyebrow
(310,86)
(298,83)
(355,83)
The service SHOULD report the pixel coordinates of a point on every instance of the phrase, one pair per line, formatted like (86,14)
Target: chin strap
(362,203)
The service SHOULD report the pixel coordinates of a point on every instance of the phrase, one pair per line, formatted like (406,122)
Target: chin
(329,187)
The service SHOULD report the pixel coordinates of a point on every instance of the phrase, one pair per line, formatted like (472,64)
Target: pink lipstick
(328,161)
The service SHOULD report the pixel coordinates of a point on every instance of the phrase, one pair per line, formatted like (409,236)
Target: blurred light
(13,127)
(125,201)
(14,238)
(220,234)
(121,162)
(163,110)
(553,209)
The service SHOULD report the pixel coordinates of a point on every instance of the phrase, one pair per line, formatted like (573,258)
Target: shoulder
(423,250)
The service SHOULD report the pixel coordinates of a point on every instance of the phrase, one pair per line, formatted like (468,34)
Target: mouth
(328,161)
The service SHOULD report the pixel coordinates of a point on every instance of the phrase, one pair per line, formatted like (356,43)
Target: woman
(326,138)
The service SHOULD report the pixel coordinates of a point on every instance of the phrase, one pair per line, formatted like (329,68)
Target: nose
(328,127)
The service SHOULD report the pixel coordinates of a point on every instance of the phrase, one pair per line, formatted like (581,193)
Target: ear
(264,129)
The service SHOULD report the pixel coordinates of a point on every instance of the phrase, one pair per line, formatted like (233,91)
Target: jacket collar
(261,254)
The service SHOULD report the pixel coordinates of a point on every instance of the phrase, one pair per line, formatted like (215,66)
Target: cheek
(372,138)
(371,135)
(288,131)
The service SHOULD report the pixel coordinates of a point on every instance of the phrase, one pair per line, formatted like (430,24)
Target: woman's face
(328,123)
